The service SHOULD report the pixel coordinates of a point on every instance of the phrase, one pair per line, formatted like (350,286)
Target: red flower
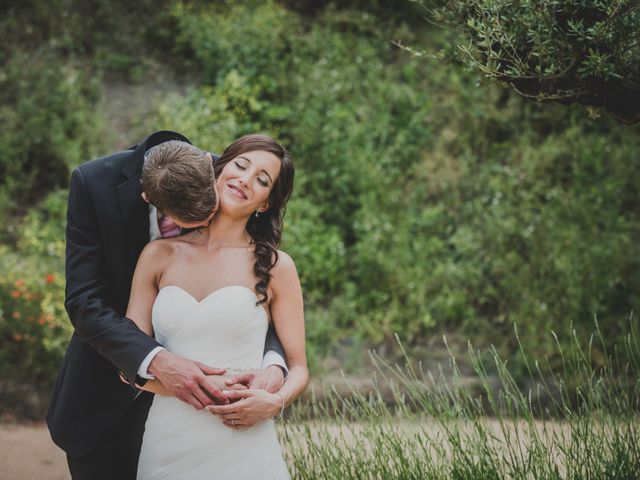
(42,320)
(50,278)
(20,283)
(17,337)
(16,293)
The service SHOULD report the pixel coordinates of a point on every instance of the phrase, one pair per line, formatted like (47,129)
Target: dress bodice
(224,329)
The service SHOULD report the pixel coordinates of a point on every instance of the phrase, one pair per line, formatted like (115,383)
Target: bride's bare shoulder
(285,282)
(160,250)
(284,266)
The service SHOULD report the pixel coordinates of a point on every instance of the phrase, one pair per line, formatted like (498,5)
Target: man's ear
(144,197)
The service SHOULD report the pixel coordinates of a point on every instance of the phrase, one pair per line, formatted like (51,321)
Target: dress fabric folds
(224,329)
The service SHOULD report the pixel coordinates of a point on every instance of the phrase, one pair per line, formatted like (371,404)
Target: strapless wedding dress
(225,329)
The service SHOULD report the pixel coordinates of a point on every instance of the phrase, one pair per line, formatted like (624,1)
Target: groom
(97,419)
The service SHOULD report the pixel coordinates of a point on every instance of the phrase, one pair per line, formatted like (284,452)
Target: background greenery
(428,201)
(584,51)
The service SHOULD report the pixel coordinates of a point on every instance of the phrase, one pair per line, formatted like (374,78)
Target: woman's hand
(218,383)
(270,378)
(252,406)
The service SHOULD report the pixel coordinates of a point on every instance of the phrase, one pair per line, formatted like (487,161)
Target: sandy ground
(27,452)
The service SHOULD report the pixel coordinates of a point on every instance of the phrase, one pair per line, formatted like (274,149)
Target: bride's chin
(235,211)
(228,203)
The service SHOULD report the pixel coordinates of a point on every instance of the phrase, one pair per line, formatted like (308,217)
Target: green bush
(211,117)
(572,51)
(426,200)
(34,325)
(250,37)
(423,201)
(103,35)
(48,124)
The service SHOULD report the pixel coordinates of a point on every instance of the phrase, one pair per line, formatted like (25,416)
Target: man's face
(186,224)
(190,225)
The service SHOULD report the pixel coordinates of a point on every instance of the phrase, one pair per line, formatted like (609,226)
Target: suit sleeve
(87,289)
(273,343)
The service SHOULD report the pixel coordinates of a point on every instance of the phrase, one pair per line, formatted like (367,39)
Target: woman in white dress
(209,295)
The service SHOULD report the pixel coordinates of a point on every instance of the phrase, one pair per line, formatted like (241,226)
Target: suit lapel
(135,216)
(134,211)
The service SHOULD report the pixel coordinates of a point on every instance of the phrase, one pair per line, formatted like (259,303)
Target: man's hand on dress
(270,378)
(187,380)
(248,408)
(220,383)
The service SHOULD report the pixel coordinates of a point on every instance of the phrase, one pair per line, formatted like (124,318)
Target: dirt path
(27,452)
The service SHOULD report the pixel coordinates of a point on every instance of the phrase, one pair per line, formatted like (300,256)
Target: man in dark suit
(96,418)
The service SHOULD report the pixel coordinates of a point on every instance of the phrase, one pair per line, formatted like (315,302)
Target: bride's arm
(144,290)
(287,312)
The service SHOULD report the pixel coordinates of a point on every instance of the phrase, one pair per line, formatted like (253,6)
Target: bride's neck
(227,231)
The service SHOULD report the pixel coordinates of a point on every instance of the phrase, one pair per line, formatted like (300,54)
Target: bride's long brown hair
(266,229)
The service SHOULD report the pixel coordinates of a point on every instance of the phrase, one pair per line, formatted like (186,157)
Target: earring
(257,213)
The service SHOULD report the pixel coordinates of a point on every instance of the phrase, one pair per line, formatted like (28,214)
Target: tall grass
(575,421)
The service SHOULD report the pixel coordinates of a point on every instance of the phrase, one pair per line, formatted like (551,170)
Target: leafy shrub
(426,200)
(571,51)
(34,325)
(251,37)
(211,117)
(107,35)
(48,124)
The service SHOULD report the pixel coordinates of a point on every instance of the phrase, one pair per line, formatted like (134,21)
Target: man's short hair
(178,180)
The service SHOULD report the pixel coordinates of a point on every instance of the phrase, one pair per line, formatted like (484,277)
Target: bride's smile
(237,191)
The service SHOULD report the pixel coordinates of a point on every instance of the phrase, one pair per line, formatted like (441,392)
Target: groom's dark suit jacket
(107,228)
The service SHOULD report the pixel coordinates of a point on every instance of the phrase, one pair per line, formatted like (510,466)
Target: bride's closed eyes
(263,181)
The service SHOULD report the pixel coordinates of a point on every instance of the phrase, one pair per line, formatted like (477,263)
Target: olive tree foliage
(567,51)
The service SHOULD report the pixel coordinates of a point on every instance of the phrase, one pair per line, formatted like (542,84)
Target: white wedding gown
(225,329)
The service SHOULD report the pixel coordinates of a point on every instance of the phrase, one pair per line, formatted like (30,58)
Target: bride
(209,295)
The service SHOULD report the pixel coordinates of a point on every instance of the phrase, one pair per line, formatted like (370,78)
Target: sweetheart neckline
(210,293)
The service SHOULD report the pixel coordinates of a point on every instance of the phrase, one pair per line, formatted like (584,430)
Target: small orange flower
(16,315)
(17,337)
(50,278)
(16,293)
(20,283)
(42,320)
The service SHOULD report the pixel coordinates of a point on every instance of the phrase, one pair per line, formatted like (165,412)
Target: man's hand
(270,379)
(251,407)
(186,379)
(220,383)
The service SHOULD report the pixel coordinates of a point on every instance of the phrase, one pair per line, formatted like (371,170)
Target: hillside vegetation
(428,199)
